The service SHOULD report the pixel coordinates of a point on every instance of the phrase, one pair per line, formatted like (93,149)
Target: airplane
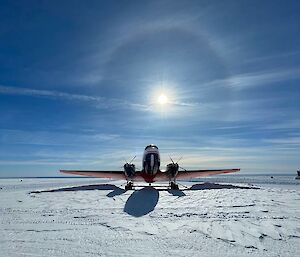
(151,171)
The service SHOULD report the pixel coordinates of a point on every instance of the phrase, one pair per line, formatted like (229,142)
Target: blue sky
(79,82)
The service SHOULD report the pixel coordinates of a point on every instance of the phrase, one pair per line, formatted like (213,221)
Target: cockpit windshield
(150,146)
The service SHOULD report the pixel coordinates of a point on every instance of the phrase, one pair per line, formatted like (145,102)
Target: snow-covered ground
(81,217)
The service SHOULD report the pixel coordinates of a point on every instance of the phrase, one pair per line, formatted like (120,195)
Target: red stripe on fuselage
(149,178)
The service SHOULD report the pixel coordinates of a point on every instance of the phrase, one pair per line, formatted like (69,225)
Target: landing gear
(129,186)
(174,186)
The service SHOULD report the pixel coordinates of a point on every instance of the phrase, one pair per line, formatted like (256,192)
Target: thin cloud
(39,162)
(263,78)
(211,153)
(9,136)
(99,101)
(285,141)
(287,124)
(272,57)
(254,79)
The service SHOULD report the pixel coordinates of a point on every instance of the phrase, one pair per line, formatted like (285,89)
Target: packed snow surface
(85,217)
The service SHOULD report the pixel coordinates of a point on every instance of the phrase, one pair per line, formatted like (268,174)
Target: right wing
(188,174)
(97,173)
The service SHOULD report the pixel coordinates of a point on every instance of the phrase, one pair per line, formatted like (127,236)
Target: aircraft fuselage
(151,163)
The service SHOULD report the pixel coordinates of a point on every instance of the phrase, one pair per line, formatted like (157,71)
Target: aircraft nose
(152,161)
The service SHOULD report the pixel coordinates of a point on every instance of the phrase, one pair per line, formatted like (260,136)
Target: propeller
(129,168)
(136,168)
(128,163)
(172,170)
(177,162)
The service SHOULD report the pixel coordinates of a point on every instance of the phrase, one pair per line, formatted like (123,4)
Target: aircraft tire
(128,186)
(174,186)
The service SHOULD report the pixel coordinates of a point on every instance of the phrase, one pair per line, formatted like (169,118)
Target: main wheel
(174,186)
(129,186)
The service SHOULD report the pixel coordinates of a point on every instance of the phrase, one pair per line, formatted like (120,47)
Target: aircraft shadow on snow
(143,201)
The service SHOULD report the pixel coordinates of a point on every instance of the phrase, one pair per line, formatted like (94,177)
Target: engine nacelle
(129,170)
(172,170)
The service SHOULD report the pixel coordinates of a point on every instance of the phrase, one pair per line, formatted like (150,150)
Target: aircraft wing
(97,173)
(161,176)
(105,174)
(188,174)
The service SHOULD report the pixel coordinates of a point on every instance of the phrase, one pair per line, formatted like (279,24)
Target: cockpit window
(149,146)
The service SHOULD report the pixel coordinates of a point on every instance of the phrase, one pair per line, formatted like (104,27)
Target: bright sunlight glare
(162,99)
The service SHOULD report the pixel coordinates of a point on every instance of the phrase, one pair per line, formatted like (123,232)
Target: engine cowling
(129,170)
(172,170)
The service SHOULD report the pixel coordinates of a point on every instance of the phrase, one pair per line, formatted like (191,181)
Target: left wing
(117,174)
(97,173)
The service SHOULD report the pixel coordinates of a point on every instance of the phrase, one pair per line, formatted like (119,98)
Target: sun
(162,99)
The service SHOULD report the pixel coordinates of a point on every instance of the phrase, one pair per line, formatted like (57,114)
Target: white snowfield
(81,217)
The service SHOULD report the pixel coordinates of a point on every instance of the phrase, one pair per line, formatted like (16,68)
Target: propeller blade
(182,168)
(172,160)
(179,159)
(132,159)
